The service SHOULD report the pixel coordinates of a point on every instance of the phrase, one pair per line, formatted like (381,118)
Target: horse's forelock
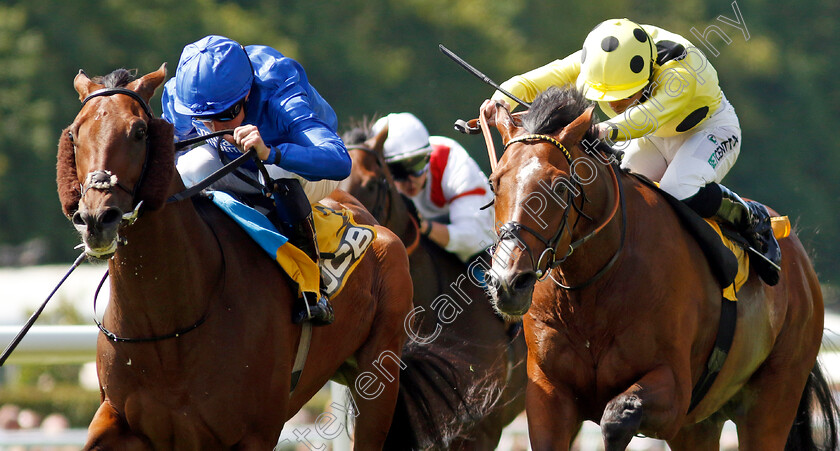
(67,180)
(161,165)
(555,108)
(117,79)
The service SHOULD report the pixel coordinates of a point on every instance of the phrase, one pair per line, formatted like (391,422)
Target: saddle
(342,242)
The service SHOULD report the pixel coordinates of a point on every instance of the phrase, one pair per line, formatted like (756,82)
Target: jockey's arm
(314,151)
(528,85)
(470,229)
(661,107)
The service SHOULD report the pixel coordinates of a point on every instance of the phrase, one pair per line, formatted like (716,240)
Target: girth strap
(723,342)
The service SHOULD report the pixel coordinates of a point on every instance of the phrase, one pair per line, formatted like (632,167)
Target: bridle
(549,255)
(104,180)
(384,199)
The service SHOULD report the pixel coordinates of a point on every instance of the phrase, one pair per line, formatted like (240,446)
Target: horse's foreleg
(703,436)
(108,431)
(553,417)
(653,404)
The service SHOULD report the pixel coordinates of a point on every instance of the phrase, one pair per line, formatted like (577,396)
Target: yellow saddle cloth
(781,229)
(342,244)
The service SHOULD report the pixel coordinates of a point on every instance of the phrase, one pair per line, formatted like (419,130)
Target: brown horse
(206,345)
(452,311)
(619,331)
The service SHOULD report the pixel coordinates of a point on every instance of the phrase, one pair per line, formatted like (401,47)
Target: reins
(549,254)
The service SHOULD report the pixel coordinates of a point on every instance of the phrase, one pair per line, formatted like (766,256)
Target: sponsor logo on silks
(351,247)
(722,149)
(712,138)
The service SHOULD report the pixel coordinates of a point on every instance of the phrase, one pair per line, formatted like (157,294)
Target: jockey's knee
(195,165)
(316,191)
(706,201)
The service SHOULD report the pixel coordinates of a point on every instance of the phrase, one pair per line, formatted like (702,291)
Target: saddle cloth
(341,241)
(728,260)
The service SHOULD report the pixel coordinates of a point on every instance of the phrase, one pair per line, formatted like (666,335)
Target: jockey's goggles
(226,115)
(414,166)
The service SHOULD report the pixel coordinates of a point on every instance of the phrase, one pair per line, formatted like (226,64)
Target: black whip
(31,321)
(481,76)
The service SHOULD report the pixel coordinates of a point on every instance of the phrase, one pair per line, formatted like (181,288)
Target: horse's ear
(574,132)
(506,124)
(377,143)
(84,85)
(147,84)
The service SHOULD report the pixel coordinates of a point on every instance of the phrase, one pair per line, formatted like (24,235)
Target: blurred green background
(379,56)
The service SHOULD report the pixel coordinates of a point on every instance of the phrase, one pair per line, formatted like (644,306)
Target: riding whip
(481,76)
(31,321)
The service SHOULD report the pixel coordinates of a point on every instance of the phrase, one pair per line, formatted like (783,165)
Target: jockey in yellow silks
(667,113)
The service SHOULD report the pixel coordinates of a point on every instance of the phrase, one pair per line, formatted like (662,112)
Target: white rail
(77,344)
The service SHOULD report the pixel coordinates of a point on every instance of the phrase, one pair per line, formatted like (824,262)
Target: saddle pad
(342,243)
(723,263)
(730,292)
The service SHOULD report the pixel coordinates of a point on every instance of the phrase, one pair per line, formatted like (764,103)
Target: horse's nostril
(524,281)
(79,219)
(111,216)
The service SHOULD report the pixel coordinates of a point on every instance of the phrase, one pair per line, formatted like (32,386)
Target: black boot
(752,221)
(293,217)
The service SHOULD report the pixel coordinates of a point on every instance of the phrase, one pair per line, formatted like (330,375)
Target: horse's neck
(399,219)
(171,258)
(588,259)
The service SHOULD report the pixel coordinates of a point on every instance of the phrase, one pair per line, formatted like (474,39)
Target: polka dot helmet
(615,60)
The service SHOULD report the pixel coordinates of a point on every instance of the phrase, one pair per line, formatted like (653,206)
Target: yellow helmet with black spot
(615,60)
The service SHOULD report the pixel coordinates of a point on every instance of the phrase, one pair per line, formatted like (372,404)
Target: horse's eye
(562,189)
(140,133)
(491,188)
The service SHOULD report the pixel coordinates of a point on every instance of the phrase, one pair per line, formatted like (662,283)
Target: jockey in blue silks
(267,100)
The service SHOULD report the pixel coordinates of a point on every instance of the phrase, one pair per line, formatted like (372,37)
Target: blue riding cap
(213,74)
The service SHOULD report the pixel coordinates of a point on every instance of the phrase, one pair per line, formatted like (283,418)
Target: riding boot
(313,307)
(752,221)
(293,217)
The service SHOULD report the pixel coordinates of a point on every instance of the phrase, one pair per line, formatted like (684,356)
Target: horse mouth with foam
(510,290)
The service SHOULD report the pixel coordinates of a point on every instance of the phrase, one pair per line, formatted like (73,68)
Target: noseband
(549,254)
(104,180)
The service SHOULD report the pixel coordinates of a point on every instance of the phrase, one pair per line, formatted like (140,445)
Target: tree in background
(381,56)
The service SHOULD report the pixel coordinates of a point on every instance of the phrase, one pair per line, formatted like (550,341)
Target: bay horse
(620,330)
(488,357)
(201,344)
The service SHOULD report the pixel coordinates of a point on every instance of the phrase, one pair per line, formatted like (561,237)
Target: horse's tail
(434,406)
(806,434)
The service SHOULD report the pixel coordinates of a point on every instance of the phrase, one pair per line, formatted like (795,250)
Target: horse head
(370,180)
(105,157)
(538,195)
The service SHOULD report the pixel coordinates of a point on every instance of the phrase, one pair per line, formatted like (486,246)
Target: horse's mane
(360,130)
(556,108)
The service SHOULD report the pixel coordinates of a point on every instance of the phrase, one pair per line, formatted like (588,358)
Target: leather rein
(549,255)
(104,180)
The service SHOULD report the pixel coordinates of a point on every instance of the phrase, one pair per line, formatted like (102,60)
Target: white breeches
(197,163)
(685,163)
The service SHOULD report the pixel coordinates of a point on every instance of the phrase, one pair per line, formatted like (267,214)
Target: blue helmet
(213,74)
